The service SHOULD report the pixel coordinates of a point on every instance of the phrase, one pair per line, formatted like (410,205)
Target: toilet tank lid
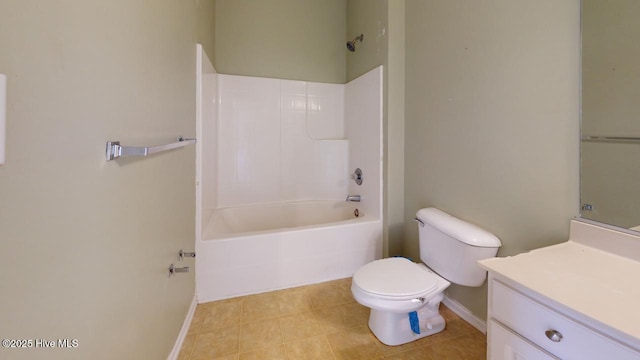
(458,229)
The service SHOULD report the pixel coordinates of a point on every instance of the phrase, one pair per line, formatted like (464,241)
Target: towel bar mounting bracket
(115,150)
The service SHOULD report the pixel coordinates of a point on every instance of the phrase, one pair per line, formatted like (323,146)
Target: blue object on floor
(415,323)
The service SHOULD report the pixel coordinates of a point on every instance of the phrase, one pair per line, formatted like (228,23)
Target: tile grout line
(280,328)
(196,333)
(240,326)
(193,347)
(333,353)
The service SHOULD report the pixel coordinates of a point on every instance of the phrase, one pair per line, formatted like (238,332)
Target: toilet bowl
(396,285)
(404,296)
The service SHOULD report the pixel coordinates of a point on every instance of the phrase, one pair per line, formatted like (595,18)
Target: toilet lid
(395,277)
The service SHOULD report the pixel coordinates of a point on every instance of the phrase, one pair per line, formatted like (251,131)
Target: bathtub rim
(246,234)
(209,214)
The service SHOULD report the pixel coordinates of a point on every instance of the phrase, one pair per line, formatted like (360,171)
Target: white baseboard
(183,332)
(465,314)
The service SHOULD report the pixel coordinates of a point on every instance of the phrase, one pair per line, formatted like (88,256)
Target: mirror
(610,146)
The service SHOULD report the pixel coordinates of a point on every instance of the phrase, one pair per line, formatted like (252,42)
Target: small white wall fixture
(3,116)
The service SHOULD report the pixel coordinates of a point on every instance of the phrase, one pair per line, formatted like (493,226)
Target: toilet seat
(395,279)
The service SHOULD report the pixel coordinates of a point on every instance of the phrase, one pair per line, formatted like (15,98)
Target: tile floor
(320,321)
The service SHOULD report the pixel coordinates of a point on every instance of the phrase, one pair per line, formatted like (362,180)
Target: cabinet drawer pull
(553,335)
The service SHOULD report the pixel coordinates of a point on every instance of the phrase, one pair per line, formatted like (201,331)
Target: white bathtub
(247,250)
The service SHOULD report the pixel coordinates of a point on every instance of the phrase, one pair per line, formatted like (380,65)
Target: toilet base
(395,329)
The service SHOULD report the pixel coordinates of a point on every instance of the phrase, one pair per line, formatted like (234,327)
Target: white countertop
(590,281)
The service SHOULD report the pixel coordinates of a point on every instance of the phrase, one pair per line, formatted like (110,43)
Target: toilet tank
(452,247)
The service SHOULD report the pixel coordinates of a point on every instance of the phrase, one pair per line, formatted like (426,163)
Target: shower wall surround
(280,140)
(207,145)
(284,140)
(363,128)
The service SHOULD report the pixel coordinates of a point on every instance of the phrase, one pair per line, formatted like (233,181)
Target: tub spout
(353,198)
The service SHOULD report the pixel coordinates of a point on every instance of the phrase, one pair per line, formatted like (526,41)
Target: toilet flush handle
(418,300)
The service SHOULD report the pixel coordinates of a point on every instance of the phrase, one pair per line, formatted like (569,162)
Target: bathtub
(252,249)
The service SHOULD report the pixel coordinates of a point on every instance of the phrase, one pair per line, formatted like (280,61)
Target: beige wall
(86,243)
(394,129)
(492,106)
(286,39)
(367,17)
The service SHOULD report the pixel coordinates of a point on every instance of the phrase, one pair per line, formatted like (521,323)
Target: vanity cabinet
(574,300)
(521,327)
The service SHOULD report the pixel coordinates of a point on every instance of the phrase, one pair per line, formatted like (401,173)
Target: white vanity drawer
(505,345)
(533,321)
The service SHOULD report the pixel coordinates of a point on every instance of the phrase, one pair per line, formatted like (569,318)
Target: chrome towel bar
(611,138)
(115,150)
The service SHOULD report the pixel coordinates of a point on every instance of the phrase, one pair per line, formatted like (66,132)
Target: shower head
(351,45)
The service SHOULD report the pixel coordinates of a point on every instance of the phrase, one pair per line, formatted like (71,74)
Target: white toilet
(404,296)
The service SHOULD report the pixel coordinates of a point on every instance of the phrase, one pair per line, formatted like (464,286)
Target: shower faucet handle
(357,176)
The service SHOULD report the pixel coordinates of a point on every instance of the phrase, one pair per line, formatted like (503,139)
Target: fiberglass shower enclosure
(270,141)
